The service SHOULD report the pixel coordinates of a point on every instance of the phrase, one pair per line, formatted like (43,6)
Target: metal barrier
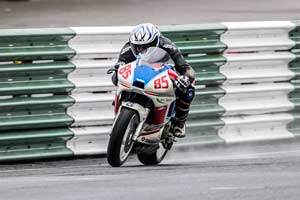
(55,96)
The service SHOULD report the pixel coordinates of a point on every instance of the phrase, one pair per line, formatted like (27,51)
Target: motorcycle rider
(147,35)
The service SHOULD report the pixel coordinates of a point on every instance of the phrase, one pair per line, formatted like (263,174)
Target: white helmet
(144,36)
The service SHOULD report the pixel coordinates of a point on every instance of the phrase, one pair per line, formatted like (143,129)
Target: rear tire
(120,142)
(153,158)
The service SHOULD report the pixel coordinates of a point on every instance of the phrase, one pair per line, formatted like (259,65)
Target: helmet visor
(141,48)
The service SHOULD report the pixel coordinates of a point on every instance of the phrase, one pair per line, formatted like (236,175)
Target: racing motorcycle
(145,109)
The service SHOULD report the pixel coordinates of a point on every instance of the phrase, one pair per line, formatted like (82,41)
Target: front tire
(153,158)
(120,142)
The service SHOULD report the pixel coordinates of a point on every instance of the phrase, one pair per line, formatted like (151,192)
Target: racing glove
(185,89)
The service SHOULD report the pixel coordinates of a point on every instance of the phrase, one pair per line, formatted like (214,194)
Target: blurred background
(65,13)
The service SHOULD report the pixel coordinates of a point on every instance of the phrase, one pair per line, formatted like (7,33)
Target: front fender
(142,111)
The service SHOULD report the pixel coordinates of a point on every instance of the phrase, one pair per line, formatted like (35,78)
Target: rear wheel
(120,142)
(153,158)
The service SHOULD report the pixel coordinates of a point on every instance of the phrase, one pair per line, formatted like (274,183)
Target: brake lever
(111,70)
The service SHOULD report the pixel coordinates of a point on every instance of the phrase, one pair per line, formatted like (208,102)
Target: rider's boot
(179,129)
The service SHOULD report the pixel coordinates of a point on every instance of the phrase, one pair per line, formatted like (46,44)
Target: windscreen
(155,55)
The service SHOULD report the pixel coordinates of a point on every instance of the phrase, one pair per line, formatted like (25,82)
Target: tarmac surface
(65,13)
(265,171)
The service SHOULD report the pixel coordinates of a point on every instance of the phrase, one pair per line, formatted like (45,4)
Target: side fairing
(161,85)
(126,74)
(125,77)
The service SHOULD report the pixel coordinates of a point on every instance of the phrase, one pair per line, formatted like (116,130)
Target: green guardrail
(35,89)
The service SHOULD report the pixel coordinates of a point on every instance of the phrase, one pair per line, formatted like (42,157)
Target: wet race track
(248,172)
(264,171)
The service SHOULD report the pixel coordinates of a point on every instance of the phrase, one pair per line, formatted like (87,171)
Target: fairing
(150,77)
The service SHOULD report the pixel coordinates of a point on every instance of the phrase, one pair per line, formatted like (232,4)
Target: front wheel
(153,158)
(120,142)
